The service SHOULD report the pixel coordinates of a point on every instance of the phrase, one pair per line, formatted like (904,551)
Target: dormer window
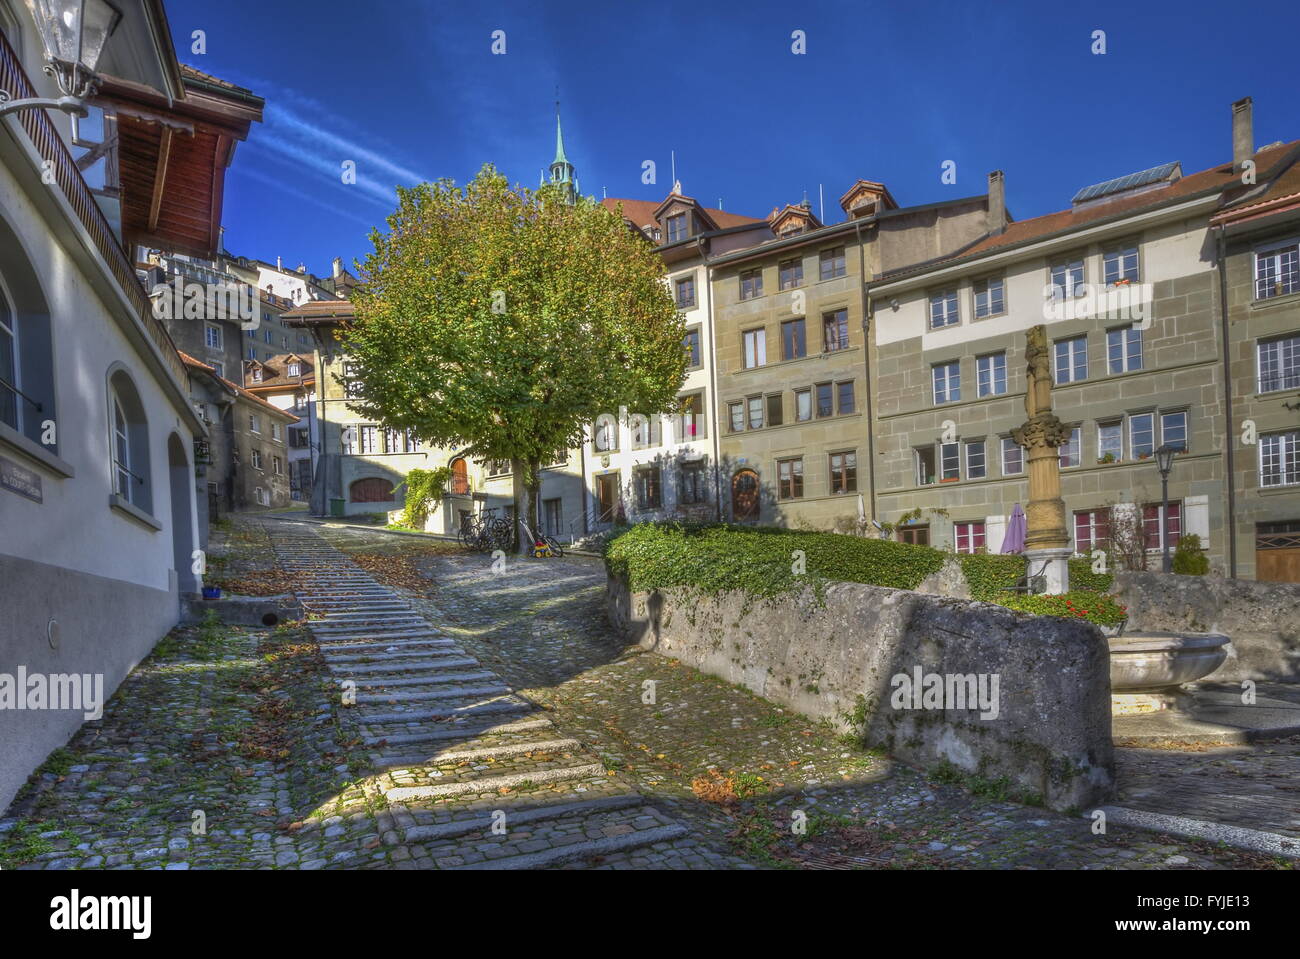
(257,375)
(677,228)
(295,369)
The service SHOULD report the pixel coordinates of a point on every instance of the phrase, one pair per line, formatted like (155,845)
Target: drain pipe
(715,426)
(866,362)
(1230,436)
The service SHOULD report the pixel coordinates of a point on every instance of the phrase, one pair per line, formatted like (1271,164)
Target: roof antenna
(673,154)
(821,203)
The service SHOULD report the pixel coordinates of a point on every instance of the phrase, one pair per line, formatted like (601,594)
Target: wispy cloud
(282,186)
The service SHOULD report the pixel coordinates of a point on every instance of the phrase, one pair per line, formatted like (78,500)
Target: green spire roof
(559,137)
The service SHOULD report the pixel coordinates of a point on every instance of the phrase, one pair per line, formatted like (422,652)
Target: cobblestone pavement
(480,693)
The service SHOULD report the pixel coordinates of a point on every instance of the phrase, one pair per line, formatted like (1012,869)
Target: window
(1279,459)
(794,339)
(351,388)
(802,405)
(1071,360)
(991,375)
(775,411)
(553,516)
(604,436)
(369,439)
(686,293)
(1072,452)
(1110,442)
(295,369)
(736,417)
(968,537)
(947,382)
(1067,279)
(1013,457)
(832,263)
(751,284)
(1124,349)
(790,274)
(497,468)
(254,423)
(269,336)
(835,331)
(990,298)
(691,422)
(915,535)
(257,459)
(844,472)
(949,462)
(252,352)
(755,343)
(275,431)
(260,497)
(412,442)
(694,490)
(1279,364)
(276,466)
(1120,266)
(924,457)
(1091,531)
(1173,430)
(648,493)
(755,404)
(122,476)
(372,490)
(219,368)
(256,374)
(1155,526)
(677,228)
(212,337)
(975,464)
(393,441)
(789,474)
(844,397)
(1142,435)
(348,440)
(943,309)
(1277,271)
(825,400)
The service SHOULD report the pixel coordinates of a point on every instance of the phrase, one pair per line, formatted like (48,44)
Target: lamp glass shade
(1165,459)
(74,31)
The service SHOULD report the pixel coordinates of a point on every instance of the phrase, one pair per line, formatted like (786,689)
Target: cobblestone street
(498,723)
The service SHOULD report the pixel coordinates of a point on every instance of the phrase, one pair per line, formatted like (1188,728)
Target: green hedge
(761,561)
(1082,577)
(988,574)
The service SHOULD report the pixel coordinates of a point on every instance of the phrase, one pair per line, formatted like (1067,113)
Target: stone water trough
(1147,670)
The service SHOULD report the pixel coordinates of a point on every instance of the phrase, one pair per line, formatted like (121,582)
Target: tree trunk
(533,487)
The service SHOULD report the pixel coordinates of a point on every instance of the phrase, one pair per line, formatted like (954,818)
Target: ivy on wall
(424,488)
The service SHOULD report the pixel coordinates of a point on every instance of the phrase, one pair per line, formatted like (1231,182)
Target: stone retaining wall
(838,660)
(1259,618)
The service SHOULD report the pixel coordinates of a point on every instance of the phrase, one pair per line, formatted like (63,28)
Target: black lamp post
(1165,460)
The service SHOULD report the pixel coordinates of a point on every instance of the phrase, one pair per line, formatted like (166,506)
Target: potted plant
(1108,458)
(211,592)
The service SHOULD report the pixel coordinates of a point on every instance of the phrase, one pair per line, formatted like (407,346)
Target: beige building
(793,382)
(1126,282)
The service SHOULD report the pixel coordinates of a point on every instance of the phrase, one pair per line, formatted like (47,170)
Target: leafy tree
(505,321)
(1188,559)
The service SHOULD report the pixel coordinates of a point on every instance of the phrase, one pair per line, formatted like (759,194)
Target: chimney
(279,263)
(997,203)
(1243,132)
(338,266)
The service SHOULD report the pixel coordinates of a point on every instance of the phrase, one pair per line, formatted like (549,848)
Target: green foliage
(1188,559)
(1076,604)
(424,488)
(761,561)
(1083,578)
(503,321)
(988,574)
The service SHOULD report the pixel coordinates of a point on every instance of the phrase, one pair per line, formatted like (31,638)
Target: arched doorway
(181,482)
(372,490)
(459,477)
(744,497)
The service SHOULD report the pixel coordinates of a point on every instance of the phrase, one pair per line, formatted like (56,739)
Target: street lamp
(1165,461)
(73,33)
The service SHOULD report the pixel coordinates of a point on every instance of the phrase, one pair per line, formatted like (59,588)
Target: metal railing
(50,146)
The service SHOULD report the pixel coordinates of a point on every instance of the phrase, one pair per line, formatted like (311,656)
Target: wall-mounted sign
(20,480)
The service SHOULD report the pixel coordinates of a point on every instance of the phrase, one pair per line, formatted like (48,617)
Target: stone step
(434,680)
(336,645)
(462,827)
(379,635)
(483,784)
(414,655)
(464,733)
(489,708)
(346,670)
(503,750)
(451,692)
(581,850)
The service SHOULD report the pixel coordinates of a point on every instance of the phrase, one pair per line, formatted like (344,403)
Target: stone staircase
(458,752)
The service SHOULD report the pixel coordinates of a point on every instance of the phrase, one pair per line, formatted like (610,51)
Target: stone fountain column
(1047,538)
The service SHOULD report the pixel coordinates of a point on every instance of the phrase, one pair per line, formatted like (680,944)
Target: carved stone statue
(1042,435)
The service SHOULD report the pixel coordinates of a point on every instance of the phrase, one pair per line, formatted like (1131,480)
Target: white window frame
(754,343)
(945,309)
(1275,251)
(211,341)
(1280,447)
(1118,425)
(1076,347)
(1129,341)
(985,309)
(1008,444)
(1134,451)
(951,380)
(1076,445)
(1288,348)
(970,448)
(991,374)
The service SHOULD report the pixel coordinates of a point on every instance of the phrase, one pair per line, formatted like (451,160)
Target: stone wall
(1259,618)
(838,660)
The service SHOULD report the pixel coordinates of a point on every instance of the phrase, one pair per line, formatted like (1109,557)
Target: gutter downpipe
(866,352)
(713,386)
(1230,434)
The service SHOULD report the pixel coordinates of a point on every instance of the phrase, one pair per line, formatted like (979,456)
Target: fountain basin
(1147,669)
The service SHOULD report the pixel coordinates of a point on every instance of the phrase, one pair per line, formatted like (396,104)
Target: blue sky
(411,90)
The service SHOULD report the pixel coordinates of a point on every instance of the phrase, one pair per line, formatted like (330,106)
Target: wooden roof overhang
(172,159)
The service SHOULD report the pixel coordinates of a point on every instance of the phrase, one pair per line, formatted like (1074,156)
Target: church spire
(563,174)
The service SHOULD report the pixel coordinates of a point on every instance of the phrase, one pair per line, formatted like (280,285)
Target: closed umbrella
(1017,526)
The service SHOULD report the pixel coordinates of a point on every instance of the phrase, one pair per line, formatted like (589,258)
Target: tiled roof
(319,311)
(1284,192)
(642,213)
(279,365)
(1067,221)
(234,387)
